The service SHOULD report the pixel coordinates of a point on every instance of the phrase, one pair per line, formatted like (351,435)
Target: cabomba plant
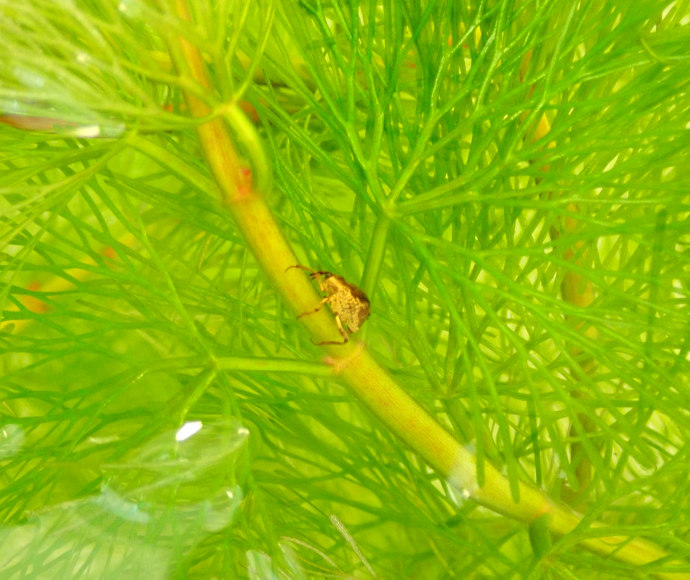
(506,181)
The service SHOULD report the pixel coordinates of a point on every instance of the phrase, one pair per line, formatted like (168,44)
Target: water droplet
(111,502)
(221,510)
(87,132)
(463,476)
(188,429)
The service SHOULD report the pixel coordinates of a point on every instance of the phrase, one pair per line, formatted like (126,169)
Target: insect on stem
(350,306)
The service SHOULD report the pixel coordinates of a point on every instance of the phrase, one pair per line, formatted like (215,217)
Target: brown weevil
(350,306)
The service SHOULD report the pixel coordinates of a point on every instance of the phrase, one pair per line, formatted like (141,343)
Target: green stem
(357,367)
(377,251)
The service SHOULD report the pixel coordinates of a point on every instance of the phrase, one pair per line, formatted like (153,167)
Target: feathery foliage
(507,181)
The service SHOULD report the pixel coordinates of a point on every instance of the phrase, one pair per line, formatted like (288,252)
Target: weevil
(350,306)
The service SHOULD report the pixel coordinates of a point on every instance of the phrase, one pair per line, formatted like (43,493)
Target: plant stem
(352,361)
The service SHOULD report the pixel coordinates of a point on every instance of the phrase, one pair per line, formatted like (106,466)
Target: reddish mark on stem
(109,252)
(244,182)
(31,302)
(249,109)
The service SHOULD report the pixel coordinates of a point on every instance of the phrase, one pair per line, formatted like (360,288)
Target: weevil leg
(343,332)
(315,309)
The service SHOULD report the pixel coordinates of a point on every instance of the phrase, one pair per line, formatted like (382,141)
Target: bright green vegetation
(507,181)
